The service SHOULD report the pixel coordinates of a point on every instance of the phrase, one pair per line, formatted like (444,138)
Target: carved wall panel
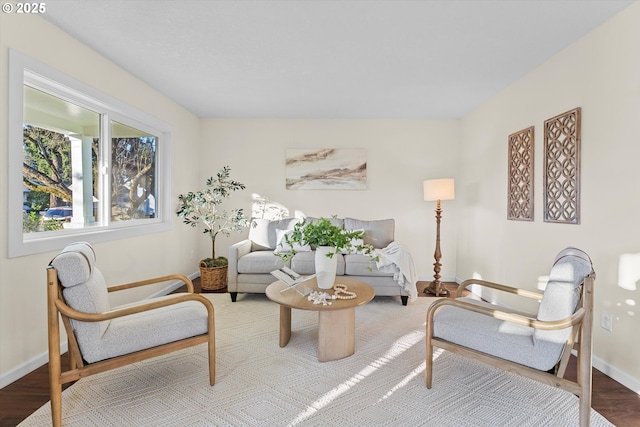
(562,168)
(520,197)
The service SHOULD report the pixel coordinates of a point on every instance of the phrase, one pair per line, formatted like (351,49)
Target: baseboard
(27,367)
(173,286)
(614,373)
(43,358)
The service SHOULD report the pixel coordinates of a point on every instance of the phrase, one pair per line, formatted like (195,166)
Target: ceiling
(402,59)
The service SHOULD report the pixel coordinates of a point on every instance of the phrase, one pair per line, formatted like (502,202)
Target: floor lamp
(436,190)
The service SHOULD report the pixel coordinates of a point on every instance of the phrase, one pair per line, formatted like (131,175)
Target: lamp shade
(439,189)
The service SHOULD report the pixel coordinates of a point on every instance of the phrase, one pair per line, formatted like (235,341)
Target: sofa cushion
(262,232)
(259,262)
(362,265)
(305,263)
(378,233)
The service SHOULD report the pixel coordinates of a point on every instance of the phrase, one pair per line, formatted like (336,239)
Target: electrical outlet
(607,321)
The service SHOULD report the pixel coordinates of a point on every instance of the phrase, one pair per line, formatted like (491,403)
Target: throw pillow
(283,247)
(378,233)
(262,232)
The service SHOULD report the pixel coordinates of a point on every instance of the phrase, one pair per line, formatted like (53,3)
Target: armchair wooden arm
(516,318)
(126,311)
(500,287)
(153,281)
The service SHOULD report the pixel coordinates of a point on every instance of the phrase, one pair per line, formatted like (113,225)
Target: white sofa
(252,260)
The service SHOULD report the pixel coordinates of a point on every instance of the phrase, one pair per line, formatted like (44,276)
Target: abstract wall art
(326,169)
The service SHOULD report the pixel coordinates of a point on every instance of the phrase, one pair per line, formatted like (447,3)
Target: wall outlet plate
(606,321)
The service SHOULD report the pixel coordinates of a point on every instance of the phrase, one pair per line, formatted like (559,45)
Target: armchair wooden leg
(55,365)
(211,346)
(212,364)
(429,353)
(56,403)
(429,365)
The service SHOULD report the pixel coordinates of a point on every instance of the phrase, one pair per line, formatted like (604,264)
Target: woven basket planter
(213,278)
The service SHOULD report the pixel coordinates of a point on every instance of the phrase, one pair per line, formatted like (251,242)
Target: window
(82,165)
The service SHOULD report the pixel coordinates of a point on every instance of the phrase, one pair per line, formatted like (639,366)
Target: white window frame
(23,69)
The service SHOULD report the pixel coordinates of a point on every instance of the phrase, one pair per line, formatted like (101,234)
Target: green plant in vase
(322,232)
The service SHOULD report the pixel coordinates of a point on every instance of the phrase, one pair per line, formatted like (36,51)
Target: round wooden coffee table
(336,322)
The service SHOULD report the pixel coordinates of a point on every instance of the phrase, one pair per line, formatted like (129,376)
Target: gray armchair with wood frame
(102,338)
(537,346)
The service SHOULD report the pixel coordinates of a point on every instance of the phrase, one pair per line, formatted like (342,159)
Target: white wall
(400,155)
(23,321)
(600,74)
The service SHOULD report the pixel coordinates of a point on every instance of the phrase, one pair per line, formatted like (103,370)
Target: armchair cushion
(76,262)
(562,293)
(536,348)
(84,289)
(493,336)
(148,329)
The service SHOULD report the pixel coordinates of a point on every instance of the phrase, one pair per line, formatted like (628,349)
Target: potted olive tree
(328,240)
(203,207)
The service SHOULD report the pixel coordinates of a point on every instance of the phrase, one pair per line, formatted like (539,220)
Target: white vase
(326,267)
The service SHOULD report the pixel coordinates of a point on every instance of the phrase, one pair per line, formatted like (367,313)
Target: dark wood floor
(615,402)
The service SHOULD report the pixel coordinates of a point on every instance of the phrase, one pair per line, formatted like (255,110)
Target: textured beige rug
(261,384)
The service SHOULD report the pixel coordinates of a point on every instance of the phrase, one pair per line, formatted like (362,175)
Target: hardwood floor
(615,402)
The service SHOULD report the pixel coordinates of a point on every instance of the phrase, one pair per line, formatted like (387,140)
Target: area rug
(261,384)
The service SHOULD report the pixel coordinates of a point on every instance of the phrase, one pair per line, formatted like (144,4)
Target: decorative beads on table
(339,292)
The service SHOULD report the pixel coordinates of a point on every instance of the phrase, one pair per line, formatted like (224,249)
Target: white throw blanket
(396,259)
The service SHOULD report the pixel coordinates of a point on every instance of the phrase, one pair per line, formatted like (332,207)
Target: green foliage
(324,233)
(30,222)
(132,175)
(38,200)
(47,162)
(217,262)
(53,225)
(202,207)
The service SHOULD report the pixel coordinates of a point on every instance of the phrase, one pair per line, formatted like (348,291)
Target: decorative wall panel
(562,168)
(520,197)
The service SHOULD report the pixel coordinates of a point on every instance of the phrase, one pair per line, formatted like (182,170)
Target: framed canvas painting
(326,169)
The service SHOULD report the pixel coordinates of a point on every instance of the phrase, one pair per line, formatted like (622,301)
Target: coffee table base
(336,332)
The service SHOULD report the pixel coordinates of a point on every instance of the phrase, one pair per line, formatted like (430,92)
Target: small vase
(326,267)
